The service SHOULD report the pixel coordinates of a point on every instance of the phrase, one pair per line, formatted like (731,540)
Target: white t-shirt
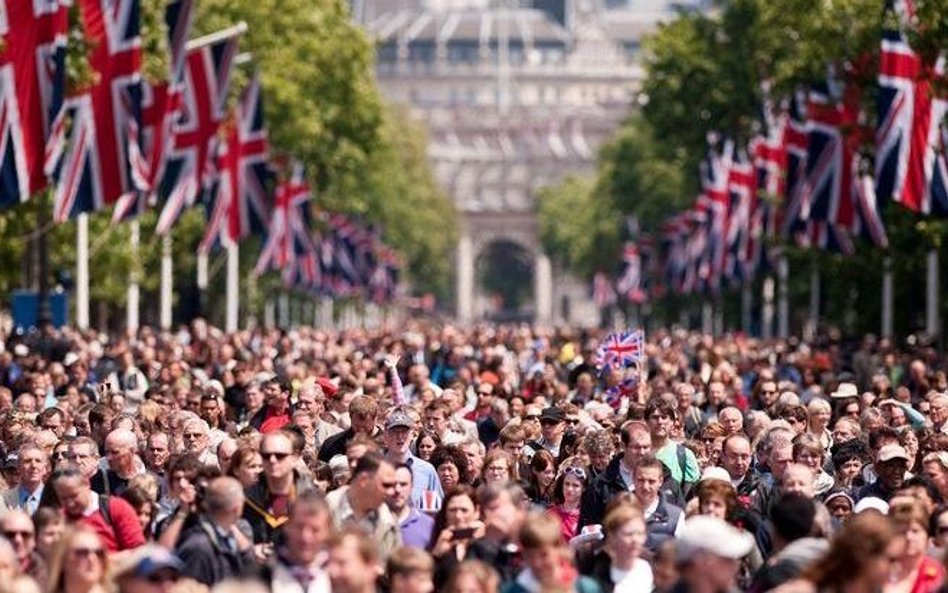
(635,580)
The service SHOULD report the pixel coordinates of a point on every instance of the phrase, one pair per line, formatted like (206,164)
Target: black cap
(552,415)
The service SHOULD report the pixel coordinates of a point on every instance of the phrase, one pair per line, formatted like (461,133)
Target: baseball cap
(715,473)
(398,418)
(872,503)
(891,451)
(329,388)
(148,560)
(552,415)
(714,536)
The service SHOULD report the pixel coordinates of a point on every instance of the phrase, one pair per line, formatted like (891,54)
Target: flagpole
(707,318)
(82,271)
(814,319)
(284,307)
(767,313)
(233,286)
(783,304)
(134,289)
(216,36)
(747,306)
(932,321)
(167,282)
(887,298)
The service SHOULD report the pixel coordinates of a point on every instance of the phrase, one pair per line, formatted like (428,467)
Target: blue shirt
(424,478)
(416,529)
(29,501)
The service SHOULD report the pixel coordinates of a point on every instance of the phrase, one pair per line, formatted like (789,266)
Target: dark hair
(792,516)
(369,463)
(880,434)
(241,456)
(281,383)
(706,489)
(452,454)
(441,519)
(660,404)
(862,540)
(843,452)
(921,481)
(186,463)
(558,496)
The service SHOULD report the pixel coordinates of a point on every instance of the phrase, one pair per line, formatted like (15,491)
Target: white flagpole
(887,297)
(284,307)
(233,286)
(783,304)
(932,321)
(134,290)
(814,320)
(82,271)
(216,36)
(747,307)
(167,282)
(767,313)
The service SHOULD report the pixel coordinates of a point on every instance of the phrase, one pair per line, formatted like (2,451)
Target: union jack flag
(161,104)
(835,188)
(190,169)
(741,191)
(622,349)
(289,246)
(240,206)
(910,158)
(715,176)
(384,279)
(797,211)
(627,388)
(104,162)
(32,83)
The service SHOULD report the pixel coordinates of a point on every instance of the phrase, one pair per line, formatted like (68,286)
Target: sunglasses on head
(575,471)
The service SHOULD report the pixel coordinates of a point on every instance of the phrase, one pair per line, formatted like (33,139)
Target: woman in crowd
(452,467)
(498,467)
(913,571)
(618,567)
(808,450)
(246,465)
(79,563)
(542,477)
(567,495)
(456,524)
(425,444)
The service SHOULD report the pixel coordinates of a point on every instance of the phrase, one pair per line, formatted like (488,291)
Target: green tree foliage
(707,73)
(322,107)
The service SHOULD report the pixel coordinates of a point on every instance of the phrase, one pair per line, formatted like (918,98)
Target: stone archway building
(514,99)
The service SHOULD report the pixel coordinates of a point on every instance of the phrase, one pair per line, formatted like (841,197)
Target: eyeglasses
(88,552)
(12,534)
(193,435)
(531,417)
(484,393)
(497,468)
(280,456)
(575,471)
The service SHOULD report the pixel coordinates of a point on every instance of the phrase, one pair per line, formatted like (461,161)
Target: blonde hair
(57,563)
(540,531)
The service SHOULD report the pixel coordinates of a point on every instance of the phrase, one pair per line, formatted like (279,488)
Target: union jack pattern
(622,349)
(190,171)
(910,155)
(32,83)
(103,166)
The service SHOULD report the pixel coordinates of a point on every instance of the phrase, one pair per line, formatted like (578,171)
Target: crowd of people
(477,460)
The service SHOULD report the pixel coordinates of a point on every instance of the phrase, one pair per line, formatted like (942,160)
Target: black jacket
(257,509)
(335,445)
(207,558)
(610,483)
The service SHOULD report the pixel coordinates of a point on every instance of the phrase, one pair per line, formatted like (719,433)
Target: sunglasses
(88,552)
(576,472)
(280,456)
(531,417)
(12,534)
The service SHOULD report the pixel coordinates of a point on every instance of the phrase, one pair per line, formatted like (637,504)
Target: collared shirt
(380,523)
(416,529)
(29,501)
(426,491)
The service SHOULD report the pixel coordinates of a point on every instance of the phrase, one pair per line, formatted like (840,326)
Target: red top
(931,573)
(273,422)
(569,521)
(124,533)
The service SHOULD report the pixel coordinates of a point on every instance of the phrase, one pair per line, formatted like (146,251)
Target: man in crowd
(415,525)
(398,435)
(362,503)
(32,469)
(214,550)
(363,414)
(267,503)
(121,452)
(111,517)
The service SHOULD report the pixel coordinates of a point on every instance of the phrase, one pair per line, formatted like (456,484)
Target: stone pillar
(465,280)
(543,289)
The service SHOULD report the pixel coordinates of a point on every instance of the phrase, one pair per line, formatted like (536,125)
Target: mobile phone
(464,533)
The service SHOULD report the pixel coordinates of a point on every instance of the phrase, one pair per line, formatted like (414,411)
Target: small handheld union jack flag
(622,349)
(624,390)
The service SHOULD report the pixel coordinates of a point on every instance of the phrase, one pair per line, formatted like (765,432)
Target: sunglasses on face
(88,552)
(13,534)
(280,456)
